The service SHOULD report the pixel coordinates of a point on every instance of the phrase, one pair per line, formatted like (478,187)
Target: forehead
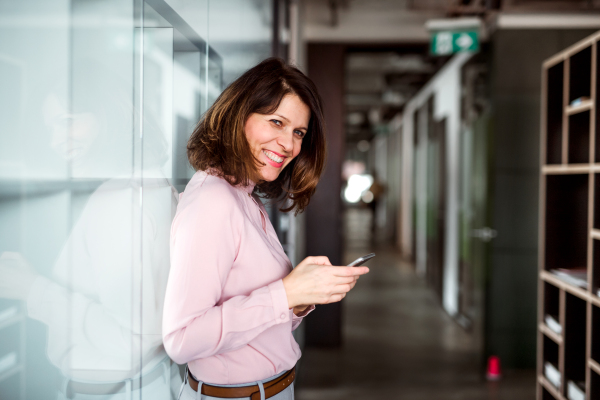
(294,109)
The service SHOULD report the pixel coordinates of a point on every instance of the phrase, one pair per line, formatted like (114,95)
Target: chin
(269,177)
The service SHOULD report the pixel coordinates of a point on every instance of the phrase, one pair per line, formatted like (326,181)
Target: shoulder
(210,196)
(210,189)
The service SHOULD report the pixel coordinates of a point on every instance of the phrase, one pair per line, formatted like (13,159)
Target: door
(474,215)
(436,199)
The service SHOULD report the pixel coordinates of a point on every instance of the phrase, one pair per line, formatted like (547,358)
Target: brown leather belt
(271,387)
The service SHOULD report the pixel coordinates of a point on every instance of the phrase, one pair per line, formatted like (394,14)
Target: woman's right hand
(316,281)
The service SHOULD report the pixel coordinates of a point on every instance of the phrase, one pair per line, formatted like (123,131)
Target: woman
(232,297)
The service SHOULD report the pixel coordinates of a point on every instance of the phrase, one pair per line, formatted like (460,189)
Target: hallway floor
(398,342)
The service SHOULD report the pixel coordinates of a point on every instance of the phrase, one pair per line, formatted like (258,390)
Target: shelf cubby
(566,218)
(596,221)
(546,395)
(552,311)
(554,114)
(575,339)
(579,138)
(596,114)
(552,301)
(595,266)
(551,352)
(580,74)
(597,144)
(594,385)
(595,350)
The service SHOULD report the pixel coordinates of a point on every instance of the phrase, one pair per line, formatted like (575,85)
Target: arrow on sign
(464,41)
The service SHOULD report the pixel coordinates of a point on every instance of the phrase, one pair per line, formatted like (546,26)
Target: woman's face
(73,134)
(275,139)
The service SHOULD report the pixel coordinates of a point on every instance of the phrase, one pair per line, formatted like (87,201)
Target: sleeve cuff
(304,313)
(280,302)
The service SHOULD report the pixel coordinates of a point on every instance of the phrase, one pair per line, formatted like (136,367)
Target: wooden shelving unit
(569,233)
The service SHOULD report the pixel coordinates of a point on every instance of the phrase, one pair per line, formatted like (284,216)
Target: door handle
(486,234)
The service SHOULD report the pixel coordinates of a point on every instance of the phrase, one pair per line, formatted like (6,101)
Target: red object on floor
(493,369)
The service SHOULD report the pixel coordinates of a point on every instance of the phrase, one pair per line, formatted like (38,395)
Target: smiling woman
(233,298)
(273,108)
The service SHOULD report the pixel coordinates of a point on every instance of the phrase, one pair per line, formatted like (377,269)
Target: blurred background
(433,111)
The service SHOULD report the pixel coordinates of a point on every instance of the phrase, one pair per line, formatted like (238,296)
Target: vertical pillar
(324,214)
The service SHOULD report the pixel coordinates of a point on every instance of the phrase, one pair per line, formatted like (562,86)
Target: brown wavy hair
(218,144)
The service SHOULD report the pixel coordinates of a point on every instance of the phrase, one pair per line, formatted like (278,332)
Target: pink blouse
(226,312)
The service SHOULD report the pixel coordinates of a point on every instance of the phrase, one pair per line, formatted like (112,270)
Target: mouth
(68,150)
(275,159)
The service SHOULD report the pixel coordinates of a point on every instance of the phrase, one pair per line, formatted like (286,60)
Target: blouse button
(282,316)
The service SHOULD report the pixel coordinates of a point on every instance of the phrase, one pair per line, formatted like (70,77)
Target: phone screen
(361,260)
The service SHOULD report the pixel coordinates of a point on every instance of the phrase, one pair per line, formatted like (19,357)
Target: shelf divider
(594,366)
(564,169)
(550,388)
(555,337)
(567,287)
(585,105)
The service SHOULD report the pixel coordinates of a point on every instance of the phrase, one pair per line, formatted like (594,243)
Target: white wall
(445,87)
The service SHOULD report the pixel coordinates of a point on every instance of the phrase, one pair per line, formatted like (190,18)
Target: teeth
(273,156)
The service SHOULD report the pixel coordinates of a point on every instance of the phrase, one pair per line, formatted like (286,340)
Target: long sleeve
(198,322)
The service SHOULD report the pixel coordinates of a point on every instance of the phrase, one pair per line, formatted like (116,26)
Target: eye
(300,134)
(277,122)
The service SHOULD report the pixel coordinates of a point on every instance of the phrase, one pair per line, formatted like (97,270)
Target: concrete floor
(398,342)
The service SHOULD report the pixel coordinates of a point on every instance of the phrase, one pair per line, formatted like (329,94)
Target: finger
(319,260)
(336,297)
(350,271)
(339,289)
(339,280)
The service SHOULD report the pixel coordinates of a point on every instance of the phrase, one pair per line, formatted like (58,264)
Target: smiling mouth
(274,159)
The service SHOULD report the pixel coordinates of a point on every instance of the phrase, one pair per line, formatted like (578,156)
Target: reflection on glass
(97,101)
(85,219)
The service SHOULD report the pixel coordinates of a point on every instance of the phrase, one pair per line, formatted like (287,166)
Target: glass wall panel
(35,197)
(240,32)
(97,102)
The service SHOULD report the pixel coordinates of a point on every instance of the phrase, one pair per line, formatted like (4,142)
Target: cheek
(257,134)
(251,132)
(296,150)
(294,154)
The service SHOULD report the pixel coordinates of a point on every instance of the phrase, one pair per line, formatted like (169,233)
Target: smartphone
(361,260)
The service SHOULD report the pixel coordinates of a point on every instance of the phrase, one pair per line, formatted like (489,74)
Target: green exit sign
(449,42)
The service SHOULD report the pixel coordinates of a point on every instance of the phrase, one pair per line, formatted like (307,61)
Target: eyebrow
(281,116)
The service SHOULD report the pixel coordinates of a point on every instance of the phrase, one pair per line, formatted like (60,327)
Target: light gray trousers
(187,393)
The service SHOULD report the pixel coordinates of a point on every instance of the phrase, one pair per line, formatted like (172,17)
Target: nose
(286,140)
